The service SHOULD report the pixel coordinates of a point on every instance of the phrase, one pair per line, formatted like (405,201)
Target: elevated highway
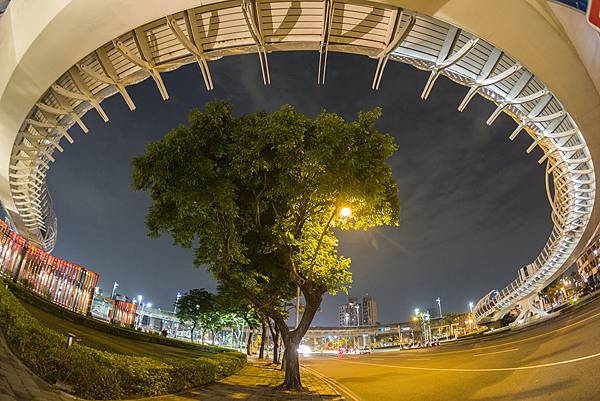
(62,58)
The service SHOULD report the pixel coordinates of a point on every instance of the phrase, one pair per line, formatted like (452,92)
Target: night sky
(473,206)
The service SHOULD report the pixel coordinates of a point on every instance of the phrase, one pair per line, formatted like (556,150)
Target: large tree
(259,198)
(194,306)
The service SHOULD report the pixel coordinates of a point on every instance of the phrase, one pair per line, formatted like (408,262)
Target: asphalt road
(558,359)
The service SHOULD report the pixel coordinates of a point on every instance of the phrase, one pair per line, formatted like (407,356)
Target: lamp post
(114,290)
(420,319)
(471,304)
(439,303)
(139,311)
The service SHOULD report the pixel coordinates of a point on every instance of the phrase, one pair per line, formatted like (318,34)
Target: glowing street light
(345,212)
(470,321)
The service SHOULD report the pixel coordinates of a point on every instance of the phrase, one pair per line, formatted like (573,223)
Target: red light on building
(593,13)
(61,282)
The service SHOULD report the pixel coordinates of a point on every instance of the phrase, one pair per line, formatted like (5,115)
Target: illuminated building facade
(61,282)
(113,310)
(587,264)
(124,313)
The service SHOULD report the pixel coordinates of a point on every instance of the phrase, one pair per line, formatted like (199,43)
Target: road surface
(555,360)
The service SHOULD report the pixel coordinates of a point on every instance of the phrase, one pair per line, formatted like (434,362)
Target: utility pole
(114,290)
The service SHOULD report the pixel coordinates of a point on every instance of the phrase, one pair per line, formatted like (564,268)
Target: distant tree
(259,197)
(235,302)
(193,306)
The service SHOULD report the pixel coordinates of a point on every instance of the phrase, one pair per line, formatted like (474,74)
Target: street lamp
(427,325)
(470,321)
(345,212)
(357,306)
(439,303)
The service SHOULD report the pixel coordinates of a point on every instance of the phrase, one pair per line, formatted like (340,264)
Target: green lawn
(108,342)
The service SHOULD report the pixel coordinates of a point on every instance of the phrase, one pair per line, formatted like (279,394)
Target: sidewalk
(254,382)
(17,383)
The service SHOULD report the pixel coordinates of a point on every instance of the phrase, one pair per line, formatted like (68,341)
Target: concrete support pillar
(532,306)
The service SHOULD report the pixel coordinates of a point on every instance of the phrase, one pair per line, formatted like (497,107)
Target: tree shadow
(540,391)
(554,353)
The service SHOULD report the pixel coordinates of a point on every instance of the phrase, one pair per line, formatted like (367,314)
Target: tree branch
(314,258)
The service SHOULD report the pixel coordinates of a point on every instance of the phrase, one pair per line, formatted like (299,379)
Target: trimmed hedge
(95,374)
(121,331)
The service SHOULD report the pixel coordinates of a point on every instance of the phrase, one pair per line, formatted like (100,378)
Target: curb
(338,388)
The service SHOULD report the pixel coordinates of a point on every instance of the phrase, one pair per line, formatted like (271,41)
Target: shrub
(95,374)
(111,328)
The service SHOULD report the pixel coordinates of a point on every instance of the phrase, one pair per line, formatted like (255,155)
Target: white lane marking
(334,384)
(497,352)
(525,339)
(544,365)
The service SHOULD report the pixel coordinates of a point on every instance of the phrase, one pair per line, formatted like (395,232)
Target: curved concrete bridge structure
(62,58)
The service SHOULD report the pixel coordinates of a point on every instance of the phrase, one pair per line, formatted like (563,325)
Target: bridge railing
(551,258)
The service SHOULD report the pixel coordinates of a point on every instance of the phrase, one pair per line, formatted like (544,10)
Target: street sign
(593,13)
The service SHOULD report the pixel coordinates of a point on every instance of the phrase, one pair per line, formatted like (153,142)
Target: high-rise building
(588,263)
(349,314)
(356,313)
(369,311)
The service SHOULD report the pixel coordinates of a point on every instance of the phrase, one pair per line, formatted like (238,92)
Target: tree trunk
(249,344)
(276,341)
(283,358)
(275,337)
(292,339)
(192,333)
(292,365)
(263,338)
